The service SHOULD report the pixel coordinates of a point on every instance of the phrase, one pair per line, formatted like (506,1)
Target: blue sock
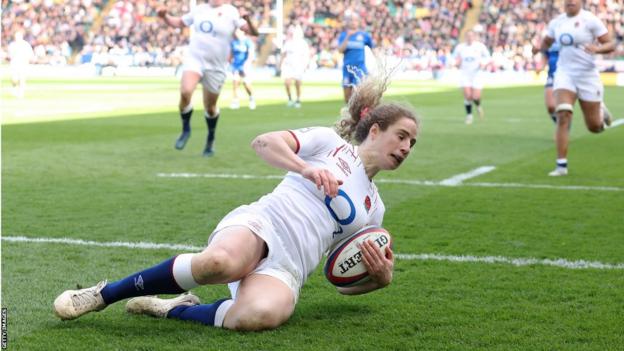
(204,314)
(186,120)
(152,281)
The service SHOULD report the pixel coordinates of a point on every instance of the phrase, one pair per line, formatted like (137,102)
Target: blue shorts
(550,81)
(353,76)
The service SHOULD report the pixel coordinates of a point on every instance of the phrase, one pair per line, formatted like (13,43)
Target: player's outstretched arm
(249,28)
(379,266)
(172,21)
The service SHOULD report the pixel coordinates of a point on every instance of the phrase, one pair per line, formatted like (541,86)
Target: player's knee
(564,108)
(259,315)
(595,128)
(215,262)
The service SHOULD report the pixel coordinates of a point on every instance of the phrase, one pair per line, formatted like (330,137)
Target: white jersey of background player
(294,61)
(573,34)
(20,54)
(213,29)
(471,57)
(580,35)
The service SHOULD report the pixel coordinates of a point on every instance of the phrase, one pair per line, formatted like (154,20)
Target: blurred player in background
(351,43)
(242,56)
(214,24)
(580,35)
(472,57)
(294,61)
(20,56)
(551,56)
(266,250)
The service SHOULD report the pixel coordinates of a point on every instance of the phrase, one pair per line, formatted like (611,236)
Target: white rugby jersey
(213,30)
(20,52)
(307,221)
(472,56)
(297,52)
(573,34)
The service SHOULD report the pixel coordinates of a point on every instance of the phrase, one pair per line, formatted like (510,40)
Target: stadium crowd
(510,28)
(421,32)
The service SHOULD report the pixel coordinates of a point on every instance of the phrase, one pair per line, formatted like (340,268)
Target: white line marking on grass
(559,262)
(618,122)
(402,181)
(458,179)
(68,241)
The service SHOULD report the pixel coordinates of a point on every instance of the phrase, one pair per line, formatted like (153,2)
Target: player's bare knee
(212,263)
(259,315)
(595,128)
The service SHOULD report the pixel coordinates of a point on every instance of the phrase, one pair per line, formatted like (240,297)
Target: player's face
(572,7)
(470,36)
(353,23)
(395,143)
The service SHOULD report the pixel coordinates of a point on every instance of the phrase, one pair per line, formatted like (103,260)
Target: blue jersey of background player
(241,49)
(552,55)
(351,43)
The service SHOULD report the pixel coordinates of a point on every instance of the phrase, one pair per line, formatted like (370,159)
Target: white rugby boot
(235,104)
(559,171)
(72,304)
(156,307)
(469,119)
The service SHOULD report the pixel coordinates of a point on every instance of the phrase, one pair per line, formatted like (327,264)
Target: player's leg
(298,92)
(476,99)
(235,83)
(549,100)
(593,114)
(591,91)
(248,89)
(467,91)
(262,302)
(287,85)
(348,81)
(347,91)
(211,114)
(225,260)
(187,87)
(212,83)
(565,100)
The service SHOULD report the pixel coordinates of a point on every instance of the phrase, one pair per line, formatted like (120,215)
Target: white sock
(221,312)
(182,272)
(188,108)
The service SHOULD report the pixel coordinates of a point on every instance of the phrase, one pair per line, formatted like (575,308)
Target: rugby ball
(344,266)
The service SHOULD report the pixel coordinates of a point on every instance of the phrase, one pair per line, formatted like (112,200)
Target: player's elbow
(260,142)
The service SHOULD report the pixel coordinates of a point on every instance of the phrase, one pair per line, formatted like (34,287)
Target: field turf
(88,160)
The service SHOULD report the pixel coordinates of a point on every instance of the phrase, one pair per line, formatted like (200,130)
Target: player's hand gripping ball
(344,266)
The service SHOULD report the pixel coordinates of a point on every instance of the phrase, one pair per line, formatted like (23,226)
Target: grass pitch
(80,160)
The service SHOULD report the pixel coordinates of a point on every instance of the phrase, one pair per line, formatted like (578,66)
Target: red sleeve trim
(296,140)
